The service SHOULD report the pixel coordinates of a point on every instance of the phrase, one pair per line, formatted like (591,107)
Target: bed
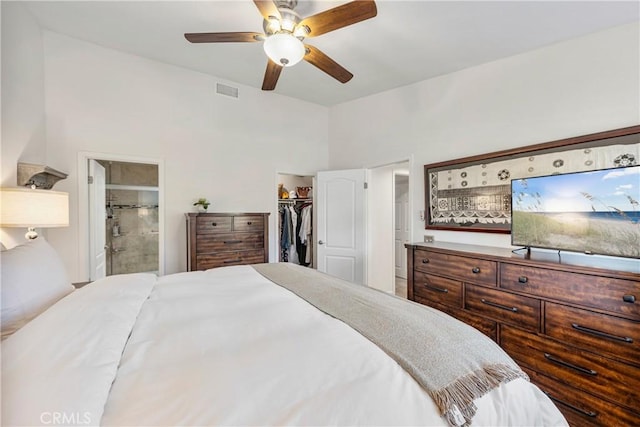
(268,344)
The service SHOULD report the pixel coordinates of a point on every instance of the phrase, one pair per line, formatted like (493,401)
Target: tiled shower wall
(132,218)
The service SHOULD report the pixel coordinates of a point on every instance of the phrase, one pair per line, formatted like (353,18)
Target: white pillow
(33,279)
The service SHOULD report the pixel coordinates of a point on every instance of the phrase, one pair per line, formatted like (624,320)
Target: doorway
(131,221)
(121,215)
(402,233)
(389,226)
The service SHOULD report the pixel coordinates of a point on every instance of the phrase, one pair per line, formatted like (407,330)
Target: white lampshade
(25,207)
(284,49)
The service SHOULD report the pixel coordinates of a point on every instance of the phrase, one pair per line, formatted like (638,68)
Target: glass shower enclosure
(131,218)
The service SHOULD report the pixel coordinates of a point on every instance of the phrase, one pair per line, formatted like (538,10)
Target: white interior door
(401,224)
(341,225)
(97,221)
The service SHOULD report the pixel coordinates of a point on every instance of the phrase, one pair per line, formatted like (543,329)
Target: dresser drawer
(213,224)
(229,242)
(484,325)
(248,223)
(221,259)
(437,289)
(458,267)
(593,331)
(609,294)
(580,408)
(587,371)
(503,306)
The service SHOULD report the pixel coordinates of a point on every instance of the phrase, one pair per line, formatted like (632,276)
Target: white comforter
(223,347)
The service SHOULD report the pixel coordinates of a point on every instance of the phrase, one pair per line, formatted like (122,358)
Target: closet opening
(295,219)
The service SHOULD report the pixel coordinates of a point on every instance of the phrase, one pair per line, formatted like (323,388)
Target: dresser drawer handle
(437,289)
(425,260)
(591,414)
(523,279)
(232,261)
(475,270)
(229,242)
(570,365)
(600,333)
(629,298)
(214,224)
(495,304)
(249,222)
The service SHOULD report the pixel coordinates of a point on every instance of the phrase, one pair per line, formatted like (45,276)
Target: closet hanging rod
(293,201)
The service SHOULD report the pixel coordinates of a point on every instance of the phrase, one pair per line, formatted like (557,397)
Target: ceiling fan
(284,32)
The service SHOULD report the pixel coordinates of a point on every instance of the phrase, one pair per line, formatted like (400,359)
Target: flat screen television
(592,212)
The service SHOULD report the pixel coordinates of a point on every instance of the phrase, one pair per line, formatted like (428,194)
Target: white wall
(228,150)
(23,120)
(573,88)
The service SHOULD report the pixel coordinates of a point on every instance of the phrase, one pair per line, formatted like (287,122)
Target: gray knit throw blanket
(452,361)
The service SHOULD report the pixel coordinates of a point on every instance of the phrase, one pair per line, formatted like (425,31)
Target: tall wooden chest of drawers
(221,239)
(575,330)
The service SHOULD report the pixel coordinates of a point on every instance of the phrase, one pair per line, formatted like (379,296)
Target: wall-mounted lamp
(31,208)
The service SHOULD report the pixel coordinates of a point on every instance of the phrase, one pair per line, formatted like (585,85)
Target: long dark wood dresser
(221,239)
(575,330)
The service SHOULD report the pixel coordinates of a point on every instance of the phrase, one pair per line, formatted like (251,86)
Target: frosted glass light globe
(284,49)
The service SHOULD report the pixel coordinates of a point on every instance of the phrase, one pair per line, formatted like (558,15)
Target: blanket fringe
(456,399)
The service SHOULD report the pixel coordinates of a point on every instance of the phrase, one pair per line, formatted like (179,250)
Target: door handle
(320,242)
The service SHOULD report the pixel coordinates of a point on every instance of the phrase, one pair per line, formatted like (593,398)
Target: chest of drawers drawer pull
(214,224)
(232,261)
(570,365)
(231,242)
(588,413)
(249,222)
(425,260)
(600,333)
(629,298)
(495,304)
(437,289)
(523,279)
(476,270)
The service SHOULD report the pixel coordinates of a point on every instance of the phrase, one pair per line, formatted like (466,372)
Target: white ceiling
(408,41)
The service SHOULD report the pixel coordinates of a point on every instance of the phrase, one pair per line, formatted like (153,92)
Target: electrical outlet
(428,239)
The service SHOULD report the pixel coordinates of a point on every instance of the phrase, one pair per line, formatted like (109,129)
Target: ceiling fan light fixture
(284,49)
(272,25)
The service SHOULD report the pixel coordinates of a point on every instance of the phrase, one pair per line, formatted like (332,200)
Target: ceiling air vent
(226,90)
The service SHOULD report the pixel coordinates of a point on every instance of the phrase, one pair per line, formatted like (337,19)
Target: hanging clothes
(295,232)
(285,236)
(293,252)
(303,230)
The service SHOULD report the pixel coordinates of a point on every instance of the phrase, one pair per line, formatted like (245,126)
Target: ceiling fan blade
(339,17)
(271,75)
(315,57)
(223,37)
(267,8)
